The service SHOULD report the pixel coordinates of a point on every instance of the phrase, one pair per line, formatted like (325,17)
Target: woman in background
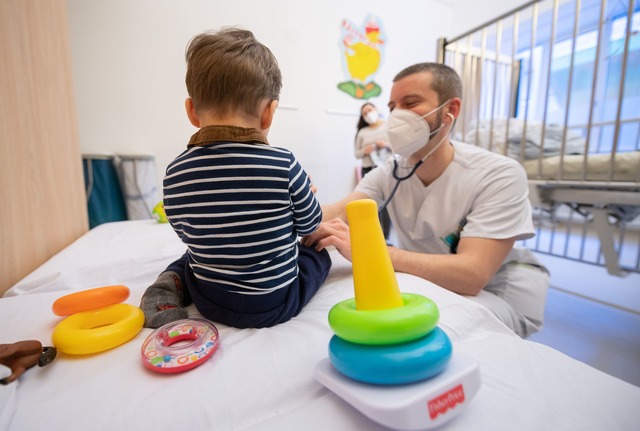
(372,147)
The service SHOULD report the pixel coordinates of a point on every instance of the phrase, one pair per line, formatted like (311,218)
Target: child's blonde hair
(230,70)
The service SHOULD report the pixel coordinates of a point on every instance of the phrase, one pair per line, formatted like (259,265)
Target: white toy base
(417,406)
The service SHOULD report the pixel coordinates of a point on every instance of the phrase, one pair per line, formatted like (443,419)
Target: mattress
(626,167)
(491,135)
(263,379)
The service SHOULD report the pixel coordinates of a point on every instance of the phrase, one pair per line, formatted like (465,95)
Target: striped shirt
(239,205)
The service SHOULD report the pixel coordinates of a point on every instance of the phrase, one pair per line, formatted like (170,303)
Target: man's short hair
(444,80)
(230,70)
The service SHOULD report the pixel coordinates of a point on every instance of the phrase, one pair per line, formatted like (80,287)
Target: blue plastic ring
(394,364)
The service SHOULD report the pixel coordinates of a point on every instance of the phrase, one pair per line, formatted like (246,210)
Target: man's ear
(454,107)
(191,112)
(266,118)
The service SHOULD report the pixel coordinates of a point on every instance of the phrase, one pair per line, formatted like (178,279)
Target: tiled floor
(602,336)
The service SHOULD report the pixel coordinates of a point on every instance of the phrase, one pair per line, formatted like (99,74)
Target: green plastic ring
(416,318)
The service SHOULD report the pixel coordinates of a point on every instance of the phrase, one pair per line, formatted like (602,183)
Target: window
(578,102)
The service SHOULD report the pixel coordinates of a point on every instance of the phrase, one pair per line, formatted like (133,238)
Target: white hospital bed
(262,379)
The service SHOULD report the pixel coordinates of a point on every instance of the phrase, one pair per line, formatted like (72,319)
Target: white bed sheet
(262,379)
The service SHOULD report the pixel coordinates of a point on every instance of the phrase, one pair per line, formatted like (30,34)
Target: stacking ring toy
(180,345)
(90,299)
(97,330)
(394,364)
(416,318)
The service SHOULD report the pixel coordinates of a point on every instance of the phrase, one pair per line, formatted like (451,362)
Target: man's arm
(466,272)
(339,209)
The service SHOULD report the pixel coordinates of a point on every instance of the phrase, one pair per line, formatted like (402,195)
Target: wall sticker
(362,51)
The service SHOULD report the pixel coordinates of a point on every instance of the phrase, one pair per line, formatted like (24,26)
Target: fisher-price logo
(446,401)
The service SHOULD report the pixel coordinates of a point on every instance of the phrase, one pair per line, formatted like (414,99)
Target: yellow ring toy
(90,299)
(416,318)
(97,330)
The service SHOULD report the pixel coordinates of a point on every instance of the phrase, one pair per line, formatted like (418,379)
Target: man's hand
(334,232)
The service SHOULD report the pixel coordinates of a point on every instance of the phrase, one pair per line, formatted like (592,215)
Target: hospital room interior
(93,112)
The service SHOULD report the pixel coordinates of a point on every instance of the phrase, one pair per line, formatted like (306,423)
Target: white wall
(128,66)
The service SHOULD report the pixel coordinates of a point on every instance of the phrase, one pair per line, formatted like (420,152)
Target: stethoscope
(400,179)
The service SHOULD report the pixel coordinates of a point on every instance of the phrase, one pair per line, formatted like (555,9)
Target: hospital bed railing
(555,85)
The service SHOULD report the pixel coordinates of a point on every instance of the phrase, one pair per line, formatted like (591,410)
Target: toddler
(237,203)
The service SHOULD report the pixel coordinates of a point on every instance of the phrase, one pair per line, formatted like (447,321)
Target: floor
(600,335)
(591,315)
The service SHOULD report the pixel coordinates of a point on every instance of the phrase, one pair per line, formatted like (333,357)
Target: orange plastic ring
(90,299)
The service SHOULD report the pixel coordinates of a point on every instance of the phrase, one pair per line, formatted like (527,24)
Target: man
(458,210)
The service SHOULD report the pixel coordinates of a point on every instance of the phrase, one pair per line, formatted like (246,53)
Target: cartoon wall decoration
(362,50)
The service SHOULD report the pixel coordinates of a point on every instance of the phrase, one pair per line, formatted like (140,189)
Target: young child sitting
(237,203)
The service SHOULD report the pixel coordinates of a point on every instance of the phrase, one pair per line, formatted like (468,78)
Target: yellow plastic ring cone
(375,284)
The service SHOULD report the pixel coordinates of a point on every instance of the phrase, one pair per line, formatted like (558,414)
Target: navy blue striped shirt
(239,205)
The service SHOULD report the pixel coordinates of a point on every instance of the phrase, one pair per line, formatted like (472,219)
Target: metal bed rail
(586,180)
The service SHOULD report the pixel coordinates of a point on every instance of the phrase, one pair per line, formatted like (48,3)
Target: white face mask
(408,132)
(371,117)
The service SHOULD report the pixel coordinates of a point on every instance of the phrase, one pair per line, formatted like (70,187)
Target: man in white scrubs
(459,214)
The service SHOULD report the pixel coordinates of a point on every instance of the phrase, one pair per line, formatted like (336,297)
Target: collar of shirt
(212,134)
